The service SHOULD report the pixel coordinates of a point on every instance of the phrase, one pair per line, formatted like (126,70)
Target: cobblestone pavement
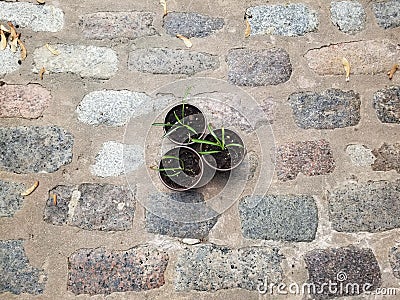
(325,211)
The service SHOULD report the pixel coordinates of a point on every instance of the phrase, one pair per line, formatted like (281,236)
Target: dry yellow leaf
(392,71)
(31,189)
(23,49)
(164,5)
(54,199)
(14,45)
(52,50)
(185,40)
(247,32)
(2,27)
(14,34)
(41,72)
(41,1)
(3,41)
(346,66)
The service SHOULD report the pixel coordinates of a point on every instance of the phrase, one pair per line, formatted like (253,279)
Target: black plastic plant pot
(228,158)
(185,121)
(181,169)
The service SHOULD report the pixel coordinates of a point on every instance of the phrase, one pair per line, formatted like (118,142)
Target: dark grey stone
(329,109)
(91,207)
(176,228)
(191,24)
(17,275)
(387,104)
(10,198)
(387,13)
(171,61)
(292,218)
(371,206)
(294,19)
(345,268)
(99,271)
(34,149)
(348,16)
(258,67)
(211,267)
(394,259)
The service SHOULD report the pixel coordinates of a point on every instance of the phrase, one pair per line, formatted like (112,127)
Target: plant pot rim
(200,174)
(202,133)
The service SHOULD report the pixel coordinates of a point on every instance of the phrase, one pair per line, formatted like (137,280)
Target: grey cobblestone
(9,61)
(387,104)
(348,16)
(394,259)
(360,155)
(387,158)
(10,198)
(387,13)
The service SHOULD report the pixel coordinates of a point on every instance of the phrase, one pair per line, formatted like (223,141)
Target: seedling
(171,172)
(219,142)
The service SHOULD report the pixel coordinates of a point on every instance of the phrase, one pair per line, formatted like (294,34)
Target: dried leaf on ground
(346,66)
(164,5)
(54,199)
(41,72)
(247,32)
(23,49)
(31,189)
(41,1)
(3,41)
(2,27)
(392,71)
(14,34)
(52,50)
(187,42)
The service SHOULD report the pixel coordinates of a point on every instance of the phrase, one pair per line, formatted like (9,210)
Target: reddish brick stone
(23,101)
(99,271)
(310,158)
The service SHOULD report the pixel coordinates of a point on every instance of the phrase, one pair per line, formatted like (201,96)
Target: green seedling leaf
(206,142)
(209,152)
(234,144)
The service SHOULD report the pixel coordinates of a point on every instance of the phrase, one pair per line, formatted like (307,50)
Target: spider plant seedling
(173,171)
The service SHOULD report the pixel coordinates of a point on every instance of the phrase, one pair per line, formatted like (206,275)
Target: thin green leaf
(234,144)
(223,138)
(206,142)
(214,135)
(171,131)
(177,118)
(209,152)
(190,128)
(162,124)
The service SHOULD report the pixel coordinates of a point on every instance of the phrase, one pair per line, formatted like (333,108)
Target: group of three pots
(201,150)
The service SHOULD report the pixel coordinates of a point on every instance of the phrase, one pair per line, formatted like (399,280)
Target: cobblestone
(387,13)
(355,208)
(9,61)
(348,265)
(387,158)
(387,104)
(111,108)
(211,267)
(35,17)
(115,159)
(291,218)
(191,24)
(17,275)
(100,271)
(310,158)
(35,149)
(365,57)
(258,67)
(360,155)
(287,20)
(85,61)
(394,259)
(23,101)
(91,207)
(171,61)
(112,25)
(10,198)
(330,109)
(348,16)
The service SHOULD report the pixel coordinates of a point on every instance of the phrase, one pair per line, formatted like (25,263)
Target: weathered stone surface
(9,61)
(387,104)
(291,218)
(115,159)
(387,13)
(91,206)
(360,155)
(85,61)
(365,57)
(10,198)
(394,259)
(176,228)
(100,271)
(258,67)
(112,108)
(288,20)
(330,109)
(35,17)
(371,207)
(23,101)
(387,158)
(211,267)
(191,24)
(171,61)
(348,16)
(17,275)
(112,25)
(350,266)
(310,158)
(34,149)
